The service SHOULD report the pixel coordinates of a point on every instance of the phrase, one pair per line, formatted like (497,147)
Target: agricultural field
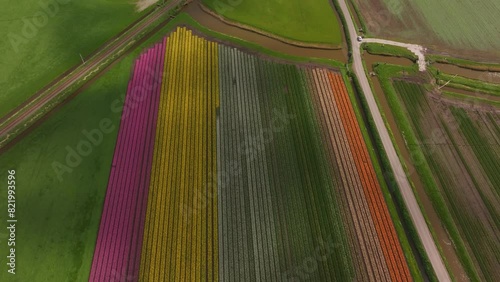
(201,156)
(285,18)
(180,235)
(460,159)
(42,41)
(122,220)
(258,168)
(468,28)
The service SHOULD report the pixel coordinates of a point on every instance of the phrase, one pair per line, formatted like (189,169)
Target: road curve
(414,48)
(26,113)
(399,173)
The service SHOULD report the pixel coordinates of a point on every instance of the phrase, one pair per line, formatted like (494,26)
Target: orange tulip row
(385,229)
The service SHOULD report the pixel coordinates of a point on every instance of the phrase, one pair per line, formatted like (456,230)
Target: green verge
(389,50)
(58,220)
(464,83)
(397,208)
(423,168)
(359,15)
(285,18)
(184,18)
(35,51)
(463,97)
(432,58)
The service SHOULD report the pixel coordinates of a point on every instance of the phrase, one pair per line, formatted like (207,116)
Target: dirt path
(415,49)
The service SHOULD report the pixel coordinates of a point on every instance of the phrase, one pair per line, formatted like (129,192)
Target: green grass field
(285,18)
(41,43)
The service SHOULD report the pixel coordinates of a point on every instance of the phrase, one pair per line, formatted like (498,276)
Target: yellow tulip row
(180,234)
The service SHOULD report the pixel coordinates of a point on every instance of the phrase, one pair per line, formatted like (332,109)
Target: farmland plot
(459,26)
(461,149)
(284,191)
(357,182)
(118,248)
(239,168)
(285,19)
(180,235)
(277,206)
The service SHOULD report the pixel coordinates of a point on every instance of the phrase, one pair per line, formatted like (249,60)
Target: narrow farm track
(116,255)
(32,107)
(418,50)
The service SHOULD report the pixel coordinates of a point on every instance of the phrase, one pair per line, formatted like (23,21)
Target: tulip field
(180,235)
(119,240)
(233,167)
(369,216)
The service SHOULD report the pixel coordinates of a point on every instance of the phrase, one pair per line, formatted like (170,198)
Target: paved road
(25,114)
(402,180)
(414,48)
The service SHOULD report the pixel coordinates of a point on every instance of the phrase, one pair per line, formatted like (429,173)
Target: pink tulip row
(119,241)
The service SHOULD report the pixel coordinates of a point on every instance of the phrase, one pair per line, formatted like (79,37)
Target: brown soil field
(462,29)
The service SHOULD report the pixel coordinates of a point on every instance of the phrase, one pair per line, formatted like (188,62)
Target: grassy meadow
(44,38)
(285,18)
